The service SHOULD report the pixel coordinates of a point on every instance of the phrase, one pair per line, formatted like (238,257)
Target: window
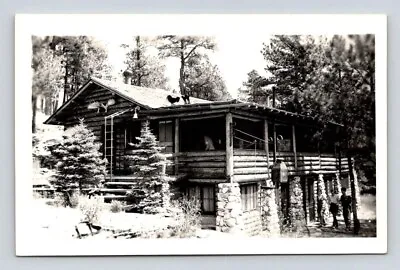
(248,194)
(165,133)
(206,196)
(208,203)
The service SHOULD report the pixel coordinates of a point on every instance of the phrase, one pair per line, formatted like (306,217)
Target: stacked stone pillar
(229,209)
(322,192)
(297,216)
(269,212)
(336,183)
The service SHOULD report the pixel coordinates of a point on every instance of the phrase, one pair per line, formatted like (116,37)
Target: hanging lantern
(279,173)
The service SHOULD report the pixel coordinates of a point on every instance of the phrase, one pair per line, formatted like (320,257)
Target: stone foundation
(252,222)
(321,191)
(229,209)
(357,189)
(297,218)
(269,212)
(336,183)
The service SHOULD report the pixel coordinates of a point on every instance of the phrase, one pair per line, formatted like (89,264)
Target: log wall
(252,165)
(202,166)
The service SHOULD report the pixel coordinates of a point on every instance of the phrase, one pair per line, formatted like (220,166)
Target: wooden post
(229,146)
(266,146)
(294,146)
(274,130)
(306,195)
(176,146)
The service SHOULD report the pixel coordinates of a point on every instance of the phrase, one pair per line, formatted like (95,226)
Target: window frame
(249,197)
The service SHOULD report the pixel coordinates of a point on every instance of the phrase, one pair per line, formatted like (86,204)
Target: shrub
(117,206)
(147,163)
(74,200)
(77,160)
(91,209)
(186,212)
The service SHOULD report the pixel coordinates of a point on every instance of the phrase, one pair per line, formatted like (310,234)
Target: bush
(91,209)
(74,200)
(187,217)
(117,206)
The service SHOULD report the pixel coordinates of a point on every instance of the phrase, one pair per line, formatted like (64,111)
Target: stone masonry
(229,209)
(269,212)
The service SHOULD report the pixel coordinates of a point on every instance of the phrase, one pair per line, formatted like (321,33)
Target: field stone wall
(229,209)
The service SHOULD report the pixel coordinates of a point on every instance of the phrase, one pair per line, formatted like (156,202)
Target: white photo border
(27,25)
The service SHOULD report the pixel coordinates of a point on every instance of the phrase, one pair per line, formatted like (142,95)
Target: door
(166,136)
(310,199)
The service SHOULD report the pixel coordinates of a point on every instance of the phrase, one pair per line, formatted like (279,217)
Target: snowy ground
(58,223)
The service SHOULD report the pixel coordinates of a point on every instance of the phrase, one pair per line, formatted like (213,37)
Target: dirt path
(367,229)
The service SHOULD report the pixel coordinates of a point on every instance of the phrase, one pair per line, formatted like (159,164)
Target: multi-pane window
(248,194)
(206,197)
(165,133)
(208,203)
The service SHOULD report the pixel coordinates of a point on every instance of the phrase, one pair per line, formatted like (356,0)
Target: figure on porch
(208,143)
(334,207)
(346,204)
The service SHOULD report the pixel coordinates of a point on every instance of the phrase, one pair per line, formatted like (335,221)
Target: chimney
(127,76)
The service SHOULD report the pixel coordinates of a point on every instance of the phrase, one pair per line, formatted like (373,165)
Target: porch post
(274,130)
(229,146)
(176,145)
(294,146)
(266,146)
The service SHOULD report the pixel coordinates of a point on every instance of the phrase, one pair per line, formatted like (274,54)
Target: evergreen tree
(204,80)
(83,57)
(184,48)
(47,75)
(147,69)
(78,162)
(255,89)
(147,163)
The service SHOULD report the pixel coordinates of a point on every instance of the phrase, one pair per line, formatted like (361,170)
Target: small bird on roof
(173,100)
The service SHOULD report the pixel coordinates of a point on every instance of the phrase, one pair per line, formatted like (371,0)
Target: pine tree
(79,163)
(147,163)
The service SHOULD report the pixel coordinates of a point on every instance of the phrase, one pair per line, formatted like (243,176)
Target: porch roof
(234,106)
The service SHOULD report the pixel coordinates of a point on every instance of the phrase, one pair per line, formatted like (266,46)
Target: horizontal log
(255,177)
(308,163)
(254,170)
(201,154)
(242,152)
(249,158)
(213,171)
(201,159)
(197,164)
(246,164)
(205,180)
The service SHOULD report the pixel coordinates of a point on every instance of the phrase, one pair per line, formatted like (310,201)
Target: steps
(116,187)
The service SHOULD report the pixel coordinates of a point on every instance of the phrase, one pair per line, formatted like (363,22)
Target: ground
(59,223)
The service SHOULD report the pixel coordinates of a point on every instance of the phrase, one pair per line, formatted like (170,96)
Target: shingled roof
(147,97)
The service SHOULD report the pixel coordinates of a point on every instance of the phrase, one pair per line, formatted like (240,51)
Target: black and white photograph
(180,134)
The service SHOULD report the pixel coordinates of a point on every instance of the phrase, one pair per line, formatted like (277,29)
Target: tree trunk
(182,71)
(356,225)
(34,108)
(139,81)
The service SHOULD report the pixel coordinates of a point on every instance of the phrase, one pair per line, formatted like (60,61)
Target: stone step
(109,198)
(114,190)
(120,183)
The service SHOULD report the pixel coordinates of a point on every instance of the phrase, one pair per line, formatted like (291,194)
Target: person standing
(320,202)
(346,205)
(334,207)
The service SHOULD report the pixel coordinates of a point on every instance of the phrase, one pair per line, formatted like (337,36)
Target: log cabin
(209,143)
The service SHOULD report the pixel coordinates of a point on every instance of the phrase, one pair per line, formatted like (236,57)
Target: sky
(235,56)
